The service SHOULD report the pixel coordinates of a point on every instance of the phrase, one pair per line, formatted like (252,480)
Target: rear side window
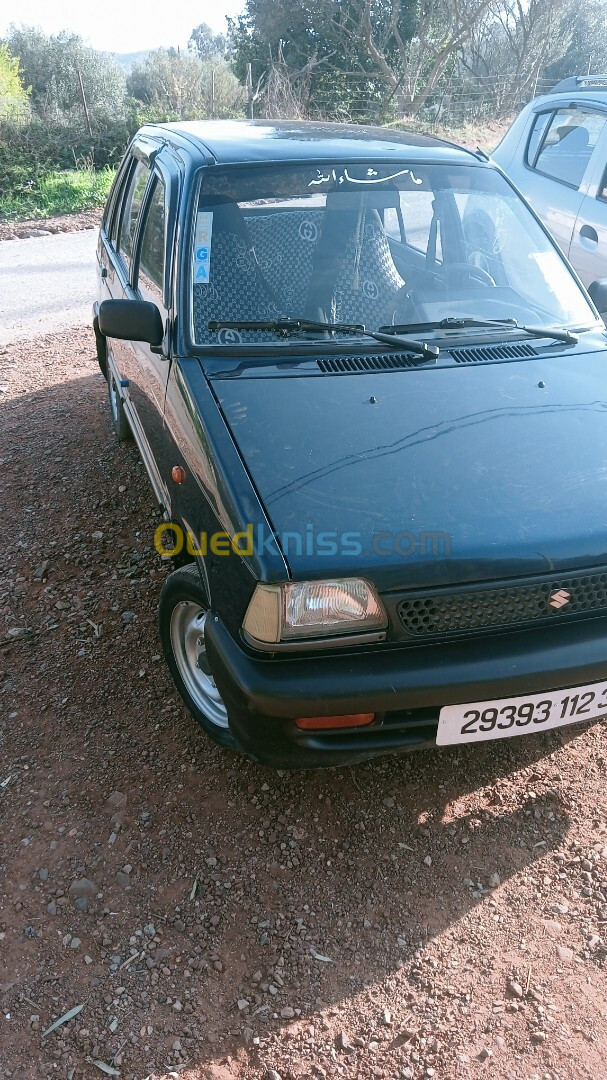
(151,259)
(415,223)
(562,142)
(130,210)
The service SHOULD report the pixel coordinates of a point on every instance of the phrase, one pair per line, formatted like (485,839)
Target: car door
(557,165)
(588,251)
(142,255)
(151,281)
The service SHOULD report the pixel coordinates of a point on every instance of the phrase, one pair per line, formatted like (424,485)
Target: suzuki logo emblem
(559,598)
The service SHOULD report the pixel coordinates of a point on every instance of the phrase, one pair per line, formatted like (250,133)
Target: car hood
(429,475)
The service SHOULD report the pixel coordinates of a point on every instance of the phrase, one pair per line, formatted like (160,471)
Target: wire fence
(461,98)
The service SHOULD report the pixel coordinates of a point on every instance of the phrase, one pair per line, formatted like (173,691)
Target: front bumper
(404,687)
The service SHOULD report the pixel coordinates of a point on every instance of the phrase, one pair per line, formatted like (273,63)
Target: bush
(56,192)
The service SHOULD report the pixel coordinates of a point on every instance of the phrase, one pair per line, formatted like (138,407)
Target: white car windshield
(375,245)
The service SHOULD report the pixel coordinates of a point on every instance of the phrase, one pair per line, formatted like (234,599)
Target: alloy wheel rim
(187,640)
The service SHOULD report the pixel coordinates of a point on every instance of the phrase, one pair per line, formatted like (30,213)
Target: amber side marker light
(320,723)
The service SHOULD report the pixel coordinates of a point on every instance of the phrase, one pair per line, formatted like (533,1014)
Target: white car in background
(556,154)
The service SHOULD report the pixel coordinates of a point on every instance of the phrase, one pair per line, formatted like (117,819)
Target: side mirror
(131,320)
(598,294)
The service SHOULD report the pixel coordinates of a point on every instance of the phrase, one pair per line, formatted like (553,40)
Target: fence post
(85,106)
(250,89)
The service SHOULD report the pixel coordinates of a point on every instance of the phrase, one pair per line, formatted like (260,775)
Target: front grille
(337,365)
(515,604)
(481,354)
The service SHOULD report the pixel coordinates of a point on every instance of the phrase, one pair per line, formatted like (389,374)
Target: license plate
(480,720)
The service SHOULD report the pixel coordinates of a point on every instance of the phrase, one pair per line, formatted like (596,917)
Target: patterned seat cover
(262,267)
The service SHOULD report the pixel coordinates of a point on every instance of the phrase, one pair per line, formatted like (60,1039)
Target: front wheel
(182,615)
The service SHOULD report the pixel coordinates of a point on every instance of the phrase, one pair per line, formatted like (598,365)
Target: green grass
(56,192)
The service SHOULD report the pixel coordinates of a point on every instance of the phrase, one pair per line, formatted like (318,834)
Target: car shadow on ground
(284,894)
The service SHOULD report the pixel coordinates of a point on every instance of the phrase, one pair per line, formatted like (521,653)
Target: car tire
(182,611)
(120,424)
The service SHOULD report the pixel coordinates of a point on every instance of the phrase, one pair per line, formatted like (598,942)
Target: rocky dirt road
(440,915)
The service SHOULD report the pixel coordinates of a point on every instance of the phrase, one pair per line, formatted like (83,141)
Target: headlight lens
(313,609)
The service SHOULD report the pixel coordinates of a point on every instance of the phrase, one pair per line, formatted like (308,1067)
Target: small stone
(287,1013)
(149,930)
(515,988)
(271,1074)
(386,1017)
(485,1053)
(123,880)
(83,887)
(75,943)
(88,959)
(243,1004)
(389,802)
(177,1006)
(494,881)
(538,1036)
(117,800)
(97,535)
(52,907)
(128,616)
(428,860)
(343,1043)
(553,927)
(564,953)
(43,874)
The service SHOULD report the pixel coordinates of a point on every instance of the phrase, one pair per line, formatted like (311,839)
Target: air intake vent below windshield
(479,354)
(338,365)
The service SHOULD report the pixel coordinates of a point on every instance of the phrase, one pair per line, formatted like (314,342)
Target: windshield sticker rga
(202,247)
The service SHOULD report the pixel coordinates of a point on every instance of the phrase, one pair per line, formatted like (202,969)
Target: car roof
(233,141)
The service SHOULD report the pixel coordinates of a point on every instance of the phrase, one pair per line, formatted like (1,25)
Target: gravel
(438,915)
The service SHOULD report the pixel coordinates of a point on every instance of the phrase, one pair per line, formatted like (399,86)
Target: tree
(53,65)
(585,28)
(181,86)
(206,44)
(14,98)
(408,45)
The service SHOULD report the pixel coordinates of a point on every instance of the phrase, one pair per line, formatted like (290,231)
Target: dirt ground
(434,915)
(22,230)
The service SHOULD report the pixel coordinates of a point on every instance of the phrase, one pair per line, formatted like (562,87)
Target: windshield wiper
(452,323)
(389,335)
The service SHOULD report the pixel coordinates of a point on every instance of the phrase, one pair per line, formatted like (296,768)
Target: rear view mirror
(598,294)
(131,320)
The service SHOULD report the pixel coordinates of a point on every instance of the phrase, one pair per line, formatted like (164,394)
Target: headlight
(313,609)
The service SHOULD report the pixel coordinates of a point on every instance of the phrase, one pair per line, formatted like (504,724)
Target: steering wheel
(477,273)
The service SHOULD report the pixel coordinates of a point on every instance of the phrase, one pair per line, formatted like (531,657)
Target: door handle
(104,271)
(589,234)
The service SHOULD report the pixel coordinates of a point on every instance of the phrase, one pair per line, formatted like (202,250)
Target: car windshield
(376,245)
